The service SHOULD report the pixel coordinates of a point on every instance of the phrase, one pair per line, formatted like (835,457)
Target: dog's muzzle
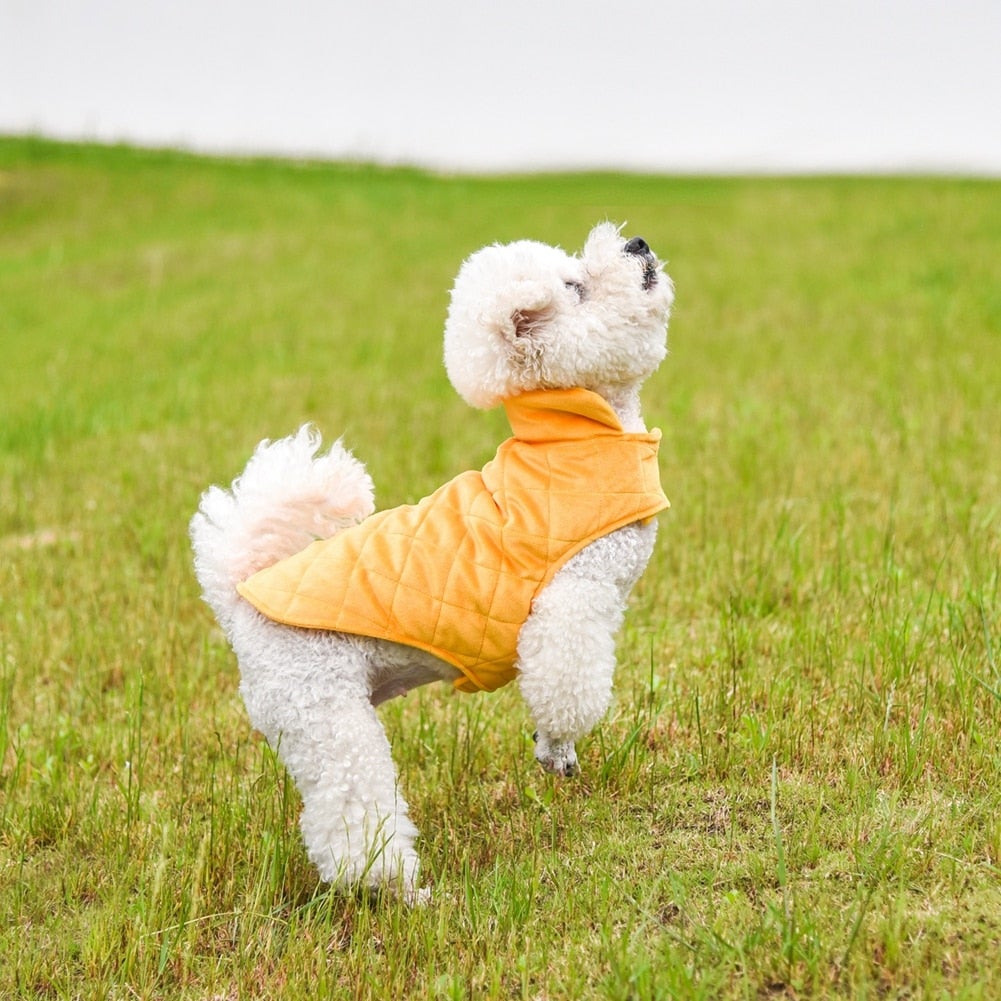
(638,247)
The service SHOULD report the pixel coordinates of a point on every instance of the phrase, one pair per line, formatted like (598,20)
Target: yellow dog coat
(456,573)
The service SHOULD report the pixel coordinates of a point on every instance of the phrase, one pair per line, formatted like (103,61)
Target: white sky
(502,84)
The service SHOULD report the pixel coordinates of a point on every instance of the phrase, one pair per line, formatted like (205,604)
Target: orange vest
(456,573)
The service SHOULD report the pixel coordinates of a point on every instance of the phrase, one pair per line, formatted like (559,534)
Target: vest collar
(560,414)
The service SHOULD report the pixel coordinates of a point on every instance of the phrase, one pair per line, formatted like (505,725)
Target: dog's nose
(637,245)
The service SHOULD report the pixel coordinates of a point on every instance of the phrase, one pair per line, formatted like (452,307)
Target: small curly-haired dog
(519,570)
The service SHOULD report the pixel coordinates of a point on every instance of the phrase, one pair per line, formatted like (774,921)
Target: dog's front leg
(566,660)
(556,756)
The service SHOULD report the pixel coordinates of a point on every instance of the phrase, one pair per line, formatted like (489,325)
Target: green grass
(798,790)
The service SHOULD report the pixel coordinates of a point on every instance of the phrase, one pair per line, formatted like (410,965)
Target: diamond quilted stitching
(457,573)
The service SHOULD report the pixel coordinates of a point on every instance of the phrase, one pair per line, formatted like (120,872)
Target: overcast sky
(502,84)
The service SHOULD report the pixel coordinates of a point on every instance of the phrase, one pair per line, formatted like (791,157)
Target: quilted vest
(456,573)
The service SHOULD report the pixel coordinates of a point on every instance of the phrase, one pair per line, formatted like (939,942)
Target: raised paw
(556,756)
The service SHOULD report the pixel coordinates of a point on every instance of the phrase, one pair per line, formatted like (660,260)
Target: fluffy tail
(287,497)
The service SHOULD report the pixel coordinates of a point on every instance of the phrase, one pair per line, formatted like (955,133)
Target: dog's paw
(557,756)
(417,896)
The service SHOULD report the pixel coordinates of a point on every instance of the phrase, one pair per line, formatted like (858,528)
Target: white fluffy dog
(564,342)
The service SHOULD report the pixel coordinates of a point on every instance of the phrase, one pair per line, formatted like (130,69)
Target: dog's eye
(577,289)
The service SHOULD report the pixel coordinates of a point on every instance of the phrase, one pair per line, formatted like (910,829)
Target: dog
(518,571)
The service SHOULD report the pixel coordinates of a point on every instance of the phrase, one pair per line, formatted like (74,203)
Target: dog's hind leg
(307,692)
(355,820)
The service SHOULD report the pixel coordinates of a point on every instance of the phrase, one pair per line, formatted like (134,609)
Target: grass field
(798,790)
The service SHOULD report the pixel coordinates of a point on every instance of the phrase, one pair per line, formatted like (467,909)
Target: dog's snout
(638,247)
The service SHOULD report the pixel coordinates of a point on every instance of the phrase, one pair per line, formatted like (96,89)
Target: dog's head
(529,316)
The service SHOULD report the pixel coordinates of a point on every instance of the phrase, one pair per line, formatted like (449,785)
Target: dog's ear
(527,321)
(520,310)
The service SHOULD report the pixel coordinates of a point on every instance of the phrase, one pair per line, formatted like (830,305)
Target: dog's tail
(287,497)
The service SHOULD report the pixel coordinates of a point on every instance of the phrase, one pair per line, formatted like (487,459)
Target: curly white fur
(522,316)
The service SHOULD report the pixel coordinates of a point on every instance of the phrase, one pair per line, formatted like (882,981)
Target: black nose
(637,245)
